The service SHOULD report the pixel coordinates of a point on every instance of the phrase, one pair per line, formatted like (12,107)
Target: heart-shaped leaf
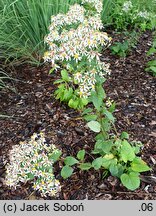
(66,171)
(94,126)
(131,180)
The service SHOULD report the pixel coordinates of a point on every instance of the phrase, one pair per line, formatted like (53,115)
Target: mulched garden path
(33,108)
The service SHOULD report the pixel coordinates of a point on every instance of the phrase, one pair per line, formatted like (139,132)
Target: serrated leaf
(85,166)
(55,155)
(97,163)
(126,152)
(70,161)
(94,126)
(66,171)
(131,180)
(81,154)
(68,94)
(138,165)
(90,117)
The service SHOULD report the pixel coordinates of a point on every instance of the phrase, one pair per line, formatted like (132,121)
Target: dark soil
(33,108)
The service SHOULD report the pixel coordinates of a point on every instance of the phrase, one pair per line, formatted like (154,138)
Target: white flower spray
(30,161)
(76,37)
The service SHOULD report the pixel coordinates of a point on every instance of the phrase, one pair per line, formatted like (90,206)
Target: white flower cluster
(97,4)
(127,6)
(143,14)
(29,161)
(87,80)
(81,42)
(74,44)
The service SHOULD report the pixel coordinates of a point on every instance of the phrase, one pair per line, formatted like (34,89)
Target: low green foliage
(113,152)
(130,40)
(67,92)
(151,65)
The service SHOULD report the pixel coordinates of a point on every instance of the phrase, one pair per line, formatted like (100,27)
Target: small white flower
(143,14)
(127,6)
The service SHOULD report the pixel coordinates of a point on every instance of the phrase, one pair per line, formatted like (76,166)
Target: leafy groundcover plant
(151,65)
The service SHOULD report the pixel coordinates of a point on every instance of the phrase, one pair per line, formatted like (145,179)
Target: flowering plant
(75,42)
(128,14)
(33,160)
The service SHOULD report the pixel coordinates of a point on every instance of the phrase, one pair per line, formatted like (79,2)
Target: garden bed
(33,108)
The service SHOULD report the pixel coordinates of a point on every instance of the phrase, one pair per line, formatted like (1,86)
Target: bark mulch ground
(33,108)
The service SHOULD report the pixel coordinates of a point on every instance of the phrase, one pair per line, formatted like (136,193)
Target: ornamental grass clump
(33,160)
(75,41)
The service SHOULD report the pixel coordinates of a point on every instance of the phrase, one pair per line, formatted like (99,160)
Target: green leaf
(152,63)
(58,81)
(90,117)
(116,170)
(109,160)
(138,165)
(97,163)
(86,111)
(68,94)
(73,103)
(153,69)
(55,155)
(108,114)
(106,124)
(85,166)
(30,176)
(94,126)
(124,135)
(70,161)
(66,171)
(126,152)
(83,101)
(81,154)
(151,51)
(51,70)
(104,145)
(64,75)
(118,142)
(131,180)
(97,97)
(112,108)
